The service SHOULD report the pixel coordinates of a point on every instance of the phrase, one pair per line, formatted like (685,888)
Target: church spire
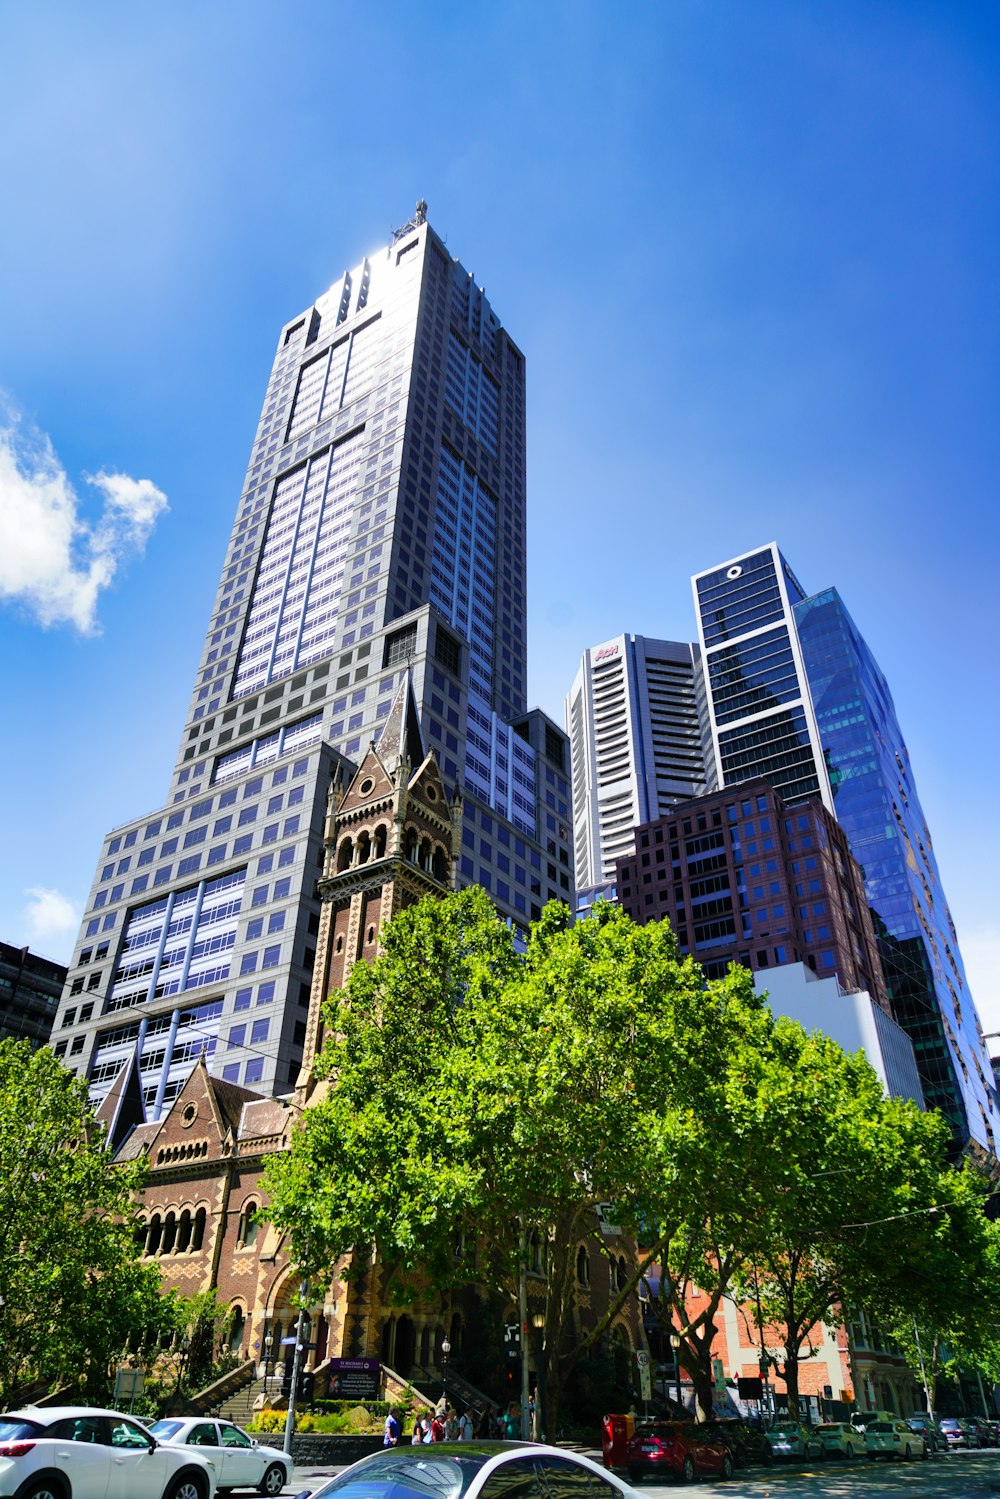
(400,738)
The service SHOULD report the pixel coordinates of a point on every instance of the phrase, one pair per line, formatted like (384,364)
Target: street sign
(642,1358)
(719,1375)
(645,1382)
(750,1389)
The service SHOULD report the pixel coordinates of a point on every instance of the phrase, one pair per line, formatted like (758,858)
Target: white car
(893,1438)
(240,1461)
(792,1439)
(73,1452)
(841,1440)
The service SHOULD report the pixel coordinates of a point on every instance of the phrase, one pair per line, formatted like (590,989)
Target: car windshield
(786,1426)
(166,1429)
(880,1426)
(396,1475)
(13,1428)
(832,1426)
(950,1422)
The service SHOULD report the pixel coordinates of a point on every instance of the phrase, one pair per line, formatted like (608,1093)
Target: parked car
(986,1431)
(240,1461)
(678,1448)
(892,1439)
(929,1430)
(101,1454)
(841,1439)
(791,1439)
(956,1433)
(747,1443)
(475,1470)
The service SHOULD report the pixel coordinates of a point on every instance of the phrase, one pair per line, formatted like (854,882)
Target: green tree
(74,1293)
(475,1092)
(841,1191)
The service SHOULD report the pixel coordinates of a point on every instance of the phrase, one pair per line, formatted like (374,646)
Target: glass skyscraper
(380,529)
(876,803)
(794,694)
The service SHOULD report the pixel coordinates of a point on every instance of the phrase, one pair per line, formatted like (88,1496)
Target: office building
(793,694)
(30,987)
(759,709)
(632,718)
(877,805)
(380,532)
(744,878)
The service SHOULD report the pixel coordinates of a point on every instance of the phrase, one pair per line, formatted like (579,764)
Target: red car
(677,1448)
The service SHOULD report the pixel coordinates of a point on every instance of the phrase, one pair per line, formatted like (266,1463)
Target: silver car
(239,1460)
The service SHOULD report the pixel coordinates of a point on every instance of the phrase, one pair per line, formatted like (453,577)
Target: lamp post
(445,1350)
(675,1343)
(538,1323)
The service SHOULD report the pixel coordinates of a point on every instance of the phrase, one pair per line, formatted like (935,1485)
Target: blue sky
(750,252)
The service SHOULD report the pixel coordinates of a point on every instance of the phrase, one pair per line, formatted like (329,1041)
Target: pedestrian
(437,1425)
(451,1425)
(426,1435)
(512,1422)
(393,1430)
(467,1425)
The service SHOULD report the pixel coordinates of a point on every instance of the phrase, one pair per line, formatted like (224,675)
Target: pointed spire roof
(400,738)
(123,1108)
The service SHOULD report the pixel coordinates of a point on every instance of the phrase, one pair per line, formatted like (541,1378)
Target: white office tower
(633,720)
(380,529)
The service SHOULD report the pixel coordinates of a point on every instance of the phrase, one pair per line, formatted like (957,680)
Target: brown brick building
(744,879)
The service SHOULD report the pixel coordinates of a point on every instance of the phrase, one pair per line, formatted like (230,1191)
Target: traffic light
(286,1378)
(307,1384)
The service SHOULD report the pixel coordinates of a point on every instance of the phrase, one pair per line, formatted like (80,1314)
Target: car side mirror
(254,1442)
(305,1494)
(153,1444)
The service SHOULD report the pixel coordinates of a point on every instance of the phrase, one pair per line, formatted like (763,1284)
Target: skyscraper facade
(380,530)
(794,694)
(760,713)
(632,717)
(876,803)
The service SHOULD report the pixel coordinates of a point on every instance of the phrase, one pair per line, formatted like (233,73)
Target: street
(959,1475)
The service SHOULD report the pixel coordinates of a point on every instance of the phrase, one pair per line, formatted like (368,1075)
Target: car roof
(47,1414)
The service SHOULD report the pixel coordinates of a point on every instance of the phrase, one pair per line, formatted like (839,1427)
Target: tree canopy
(73,1290)
(476,1093)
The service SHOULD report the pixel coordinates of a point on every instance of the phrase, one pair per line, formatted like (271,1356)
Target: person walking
(393,1429)
(512,1422)
(466,1425)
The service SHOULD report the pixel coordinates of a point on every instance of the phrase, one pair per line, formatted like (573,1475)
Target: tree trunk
(790,1369)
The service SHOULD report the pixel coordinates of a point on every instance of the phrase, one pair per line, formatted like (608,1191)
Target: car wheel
(907,1453)
(273,1481)
(767,1457)
(44,1488)
(635,1475)
(727,1465)
(187,1486)
(687,1472)
(821,1454)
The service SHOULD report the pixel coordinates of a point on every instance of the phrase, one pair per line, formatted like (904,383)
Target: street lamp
(445,1350)
(538,1323)
(675,1343)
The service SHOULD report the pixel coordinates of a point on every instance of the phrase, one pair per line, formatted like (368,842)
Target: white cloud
(52,559)
(52,917)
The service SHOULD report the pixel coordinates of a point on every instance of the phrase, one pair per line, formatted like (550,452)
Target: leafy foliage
(74,1293)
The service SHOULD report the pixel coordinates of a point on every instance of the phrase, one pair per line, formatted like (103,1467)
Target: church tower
(391,837)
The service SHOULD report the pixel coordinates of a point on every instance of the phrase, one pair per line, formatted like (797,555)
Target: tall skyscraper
(632,717)
(380,529)
(760,713)
(794,695)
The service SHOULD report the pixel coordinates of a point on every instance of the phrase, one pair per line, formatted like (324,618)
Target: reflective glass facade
(380,530)
(755,688)
(876,803)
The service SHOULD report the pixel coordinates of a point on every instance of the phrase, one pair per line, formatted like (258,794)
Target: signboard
(645,1382)
(642,1358)
(719,1376)
(354,1378)
(750,1389)
(128,1386)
